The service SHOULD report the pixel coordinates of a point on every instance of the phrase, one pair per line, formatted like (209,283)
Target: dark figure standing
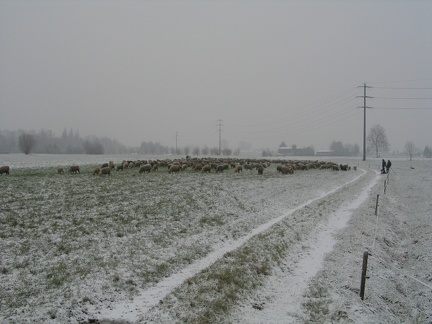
(388,166)
(383,166)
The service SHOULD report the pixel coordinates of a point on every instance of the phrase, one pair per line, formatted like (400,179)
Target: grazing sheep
(206,168)
(260,169)
(198,167)
(105,165)
(344,167)
(286,170)
(119,167)
(105,170)
(60,171)
(220,168)
(145,168)
(248,167)
(96,171)
(4,169)
(74,169)
(111,164)
(175,168)
(238,169)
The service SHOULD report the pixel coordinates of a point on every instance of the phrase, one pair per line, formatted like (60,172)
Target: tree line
(70,142)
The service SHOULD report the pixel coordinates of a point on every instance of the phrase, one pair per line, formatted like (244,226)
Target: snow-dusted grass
(207,248)
(75,243)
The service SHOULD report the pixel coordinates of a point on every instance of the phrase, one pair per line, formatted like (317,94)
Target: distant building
(284,150)
(324,153)
(295,151)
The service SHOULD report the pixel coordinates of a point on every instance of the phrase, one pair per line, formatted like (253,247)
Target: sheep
(248,167)
(344,167)
(206,168)
(74,169)
(60,171)
(106,170)
(286,170)
(220,168)
(238,168)
(96,171)
(198,167)
(260,169)
(119,167)
(175,168)
(4,169)
(145,168)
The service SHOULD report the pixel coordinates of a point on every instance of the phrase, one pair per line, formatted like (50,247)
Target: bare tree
(427,152)
(410,149)
(377,140)
(196,151)
(26,143)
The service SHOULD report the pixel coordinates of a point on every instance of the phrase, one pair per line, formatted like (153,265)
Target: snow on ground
(282,306)
(324,225)
(130,310)
(314,287)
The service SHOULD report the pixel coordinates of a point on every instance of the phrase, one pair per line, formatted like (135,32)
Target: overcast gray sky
(272,71)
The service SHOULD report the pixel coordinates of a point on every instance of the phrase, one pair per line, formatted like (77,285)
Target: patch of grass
(316,302)
(212,221)
(61,229)
(57,275)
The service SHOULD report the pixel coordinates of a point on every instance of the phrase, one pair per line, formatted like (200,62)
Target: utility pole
(220,131)
(176,142)
(364,86)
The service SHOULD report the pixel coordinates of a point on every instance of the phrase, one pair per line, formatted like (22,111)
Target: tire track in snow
(131,310)
(287,288)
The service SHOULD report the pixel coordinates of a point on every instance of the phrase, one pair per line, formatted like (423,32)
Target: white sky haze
(272,71)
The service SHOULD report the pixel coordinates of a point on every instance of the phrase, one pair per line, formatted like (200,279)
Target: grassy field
(77,239)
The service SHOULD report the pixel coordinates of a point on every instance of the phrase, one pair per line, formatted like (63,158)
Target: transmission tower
(220,132)
(364,86)
(176,152)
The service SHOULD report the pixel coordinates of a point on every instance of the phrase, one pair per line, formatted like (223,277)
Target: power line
(403,98)
(403,108)
(398,88)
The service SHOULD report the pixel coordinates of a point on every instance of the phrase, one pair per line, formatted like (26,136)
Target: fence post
(376,206)
(385,186)
(363,277)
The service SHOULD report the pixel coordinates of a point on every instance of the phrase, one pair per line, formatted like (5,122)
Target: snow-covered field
(214,248)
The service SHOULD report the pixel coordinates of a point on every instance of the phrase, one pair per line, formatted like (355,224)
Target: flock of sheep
(207,165)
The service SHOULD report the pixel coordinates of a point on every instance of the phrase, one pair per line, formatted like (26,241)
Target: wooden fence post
(376,206)
(363,277)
